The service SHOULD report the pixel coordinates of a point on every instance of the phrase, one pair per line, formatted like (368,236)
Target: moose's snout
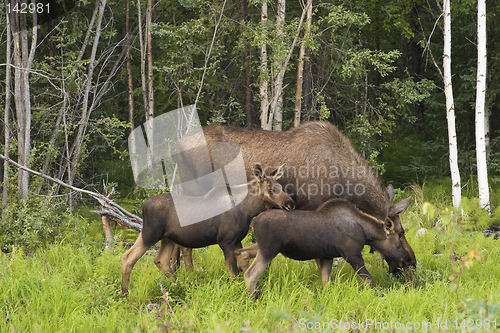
(289,206)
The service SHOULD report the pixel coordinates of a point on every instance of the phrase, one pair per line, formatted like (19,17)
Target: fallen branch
(107,206)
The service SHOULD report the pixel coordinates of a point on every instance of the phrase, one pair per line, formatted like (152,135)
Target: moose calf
(335,229)
(160,222)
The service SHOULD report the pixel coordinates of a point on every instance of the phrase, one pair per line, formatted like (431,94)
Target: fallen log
(107,207)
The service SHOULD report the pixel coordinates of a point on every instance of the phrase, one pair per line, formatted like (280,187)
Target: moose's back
(321,163)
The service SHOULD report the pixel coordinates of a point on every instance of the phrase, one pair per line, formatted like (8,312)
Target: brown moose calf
(161,222)
(335,229)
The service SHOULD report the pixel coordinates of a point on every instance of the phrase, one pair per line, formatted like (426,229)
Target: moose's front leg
(129,259)
(358,264)
(230,259)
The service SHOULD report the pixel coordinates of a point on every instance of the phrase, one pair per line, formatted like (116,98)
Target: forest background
(370,67)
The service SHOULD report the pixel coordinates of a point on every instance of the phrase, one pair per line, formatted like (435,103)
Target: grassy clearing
(74,286)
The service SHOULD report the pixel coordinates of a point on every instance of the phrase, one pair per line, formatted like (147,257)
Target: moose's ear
(400,207)
(278,173)
(389,226)
(390,190)
(258,172)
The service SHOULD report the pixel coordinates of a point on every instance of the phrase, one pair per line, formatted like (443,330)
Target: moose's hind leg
(254,271)
(244,255)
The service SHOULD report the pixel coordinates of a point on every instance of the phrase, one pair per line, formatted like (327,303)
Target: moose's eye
(402,233)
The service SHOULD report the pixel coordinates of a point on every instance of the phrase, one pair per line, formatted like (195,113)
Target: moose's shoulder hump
(335,204)
(339,203)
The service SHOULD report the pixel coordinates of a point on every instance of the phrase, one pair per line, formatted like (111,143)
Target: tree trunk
(86,111)
(23,60)
(300,67)
(272,114)
(482,171)
(249,113)
(277,108)
(150,97)
(307,84)
(8,72)
(133,149)
(264,77)
(129,68)
(149,13)
(143,58)
(450,107)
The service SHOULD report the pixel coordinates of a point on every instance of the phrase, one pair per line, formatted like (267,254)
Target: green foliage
(358,62)
(110,130)
(33,224)
(474,216)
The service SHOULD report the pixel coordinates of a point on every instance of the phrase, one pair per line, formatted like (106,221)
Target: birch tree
(8,72)
(277,108)
(271,117)
(23,57)
(300,66)
(246,64)
(482,172)
(264,75)
(450,107)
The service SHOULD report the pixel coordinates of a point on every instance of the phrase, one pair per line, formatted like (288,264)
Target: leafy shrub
(474,217)
(31,224)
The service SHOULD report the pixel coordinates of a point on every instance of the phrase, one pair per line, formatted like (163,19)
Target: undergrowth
(72,284)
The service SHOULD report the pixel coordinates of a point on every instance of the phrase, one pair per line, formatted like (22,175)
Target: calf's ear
(400,207)
(258,172)
(278,173)
(389,226)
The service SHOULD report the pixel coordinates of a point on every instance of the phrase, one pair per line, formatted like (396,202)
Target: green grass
(74,286)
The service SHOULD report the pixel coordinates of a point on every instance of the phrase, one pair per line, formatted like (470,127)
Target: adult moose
(335,229)
(321,164)
(161,222)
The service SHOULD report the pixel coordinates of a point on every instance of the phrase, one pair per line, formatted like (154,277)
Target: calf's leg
(325,268)
(358,264)
(244,255)
(176,256)
(253,272)
(129,259)
(187,255)
(230,259)
(163,257)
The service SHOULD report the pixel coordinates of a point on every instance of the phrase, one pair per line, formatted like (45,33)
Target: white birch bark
(23,60)
(264,82)
(450,108)
(8,72)
(269,106)
(150,108)
(300,66)
(482,172)
(277,108)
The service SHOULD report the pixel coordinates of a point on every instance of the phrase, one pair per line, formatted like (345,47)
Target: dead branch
(108,206)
